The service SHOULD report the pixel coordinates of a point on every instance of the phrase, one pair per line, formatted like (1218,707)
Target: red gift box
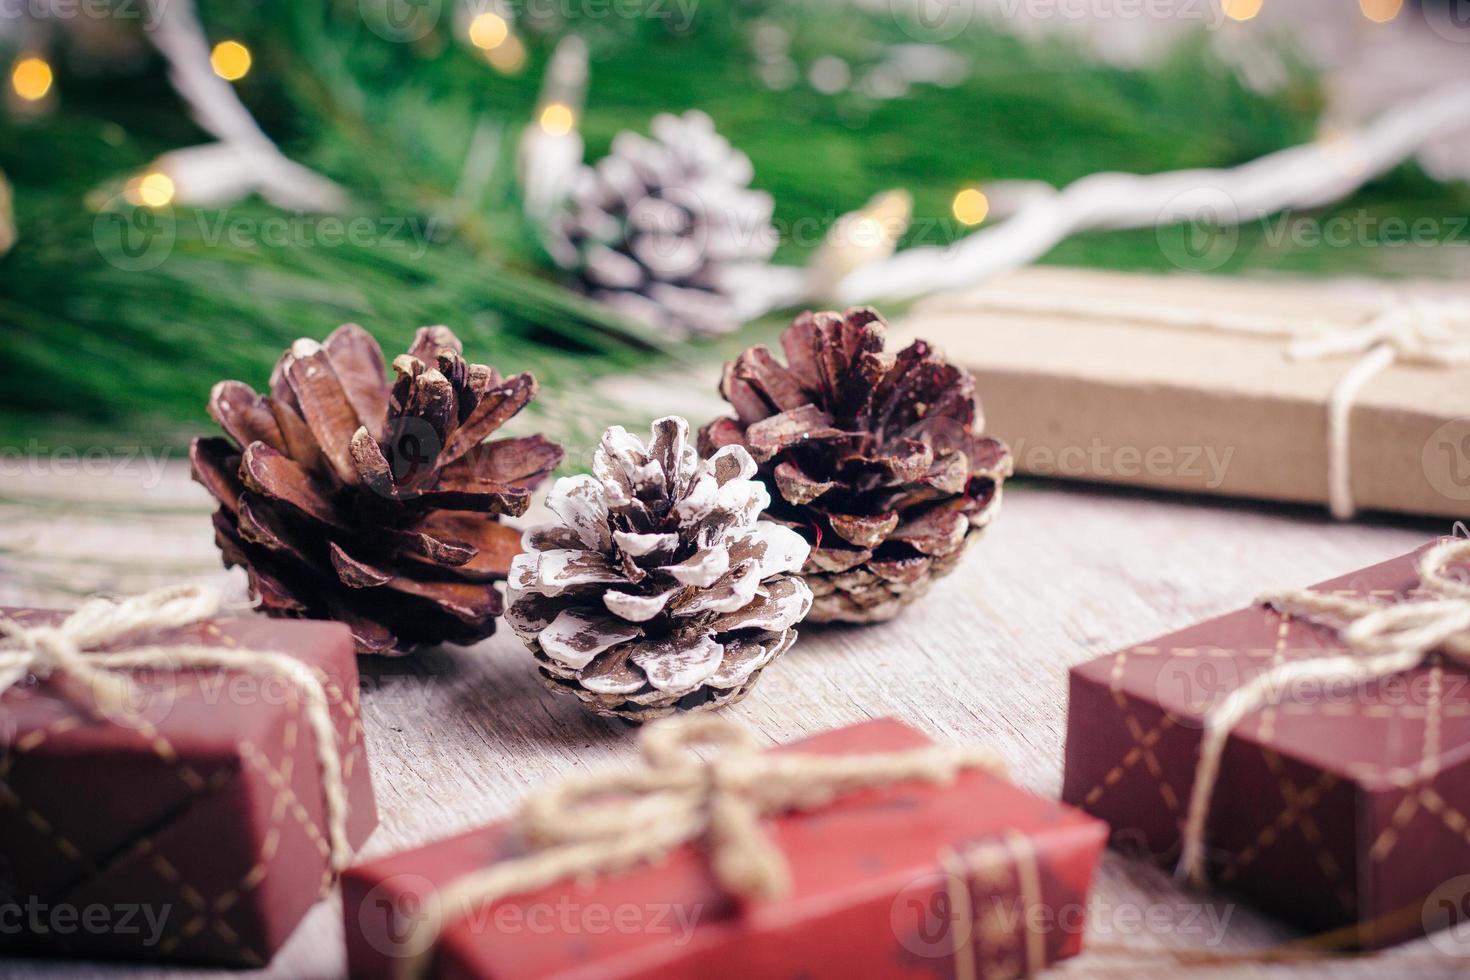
(973,878)
(191,827)
(1340,807)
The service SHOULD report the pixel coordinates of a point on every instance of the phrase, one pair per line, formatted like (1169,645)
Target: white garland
(244,159)
(1298,177)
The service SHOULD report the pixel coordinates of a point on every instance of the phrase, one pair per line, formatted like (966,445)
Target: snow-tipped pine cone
(667,229)
(346,497)
(660,589)
(877,459)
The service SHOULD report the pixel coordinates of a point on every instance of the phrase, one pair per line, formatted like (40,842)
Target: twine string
(1381,640)
(599,825)
(78,648)
(1425,332)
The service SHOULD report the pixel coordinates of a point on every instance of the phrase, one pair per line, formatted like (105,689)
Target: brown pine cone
(344,497)
(660,589)
(876,459)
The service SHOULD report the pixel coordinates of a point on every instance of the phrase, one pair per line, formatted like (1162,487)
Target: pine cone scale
(677,665)
(299,443)
(831,559)
(325,409)
(354,573)
(518,462)
(270,474)
(493,546)
(215,465)
(244,415)
(495,408)
(796,427)
(863,531)
(363,375)
(794,485)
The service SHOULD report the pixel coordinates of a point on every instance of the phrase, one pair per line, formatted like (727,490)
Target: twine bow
(1381,641)
(603,824)
(81,648)
(1430,333)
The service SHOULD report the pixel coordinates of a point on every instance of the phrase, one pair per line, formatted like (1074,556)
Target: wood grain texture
(457,736)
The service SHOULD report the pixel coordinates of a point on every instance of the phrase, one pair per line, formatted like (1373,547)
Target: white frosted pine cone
(659,589)
(663,227)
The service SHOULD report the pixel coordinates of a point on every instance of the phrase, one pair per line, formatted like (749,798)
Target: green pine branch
(99,346)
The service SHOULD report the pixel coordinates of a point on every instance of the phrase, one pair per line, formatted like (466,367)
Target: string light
(508,57)
(1241,9)
(230,60)
(858,238)
(31,78)
(549,153)
(488,31)
(154,189)
(1380,11)
(970,206)
(557,118)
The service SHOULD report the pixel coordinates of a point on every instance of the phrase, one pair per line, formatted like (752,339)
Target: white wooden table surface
(457,736)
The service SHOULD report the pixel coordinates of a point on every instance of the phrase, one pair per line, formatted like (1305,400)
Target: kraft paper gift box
(193,829)
(1122,378)
(896,881)
(1343,808)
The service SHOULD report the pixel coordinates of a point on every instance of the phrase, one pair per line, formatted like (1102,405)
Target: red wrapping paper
(192,831)
(1338,807)
(890,881)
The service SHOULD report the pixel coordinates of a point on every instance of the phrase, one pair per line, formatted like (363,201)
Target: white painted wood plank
(456,737)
